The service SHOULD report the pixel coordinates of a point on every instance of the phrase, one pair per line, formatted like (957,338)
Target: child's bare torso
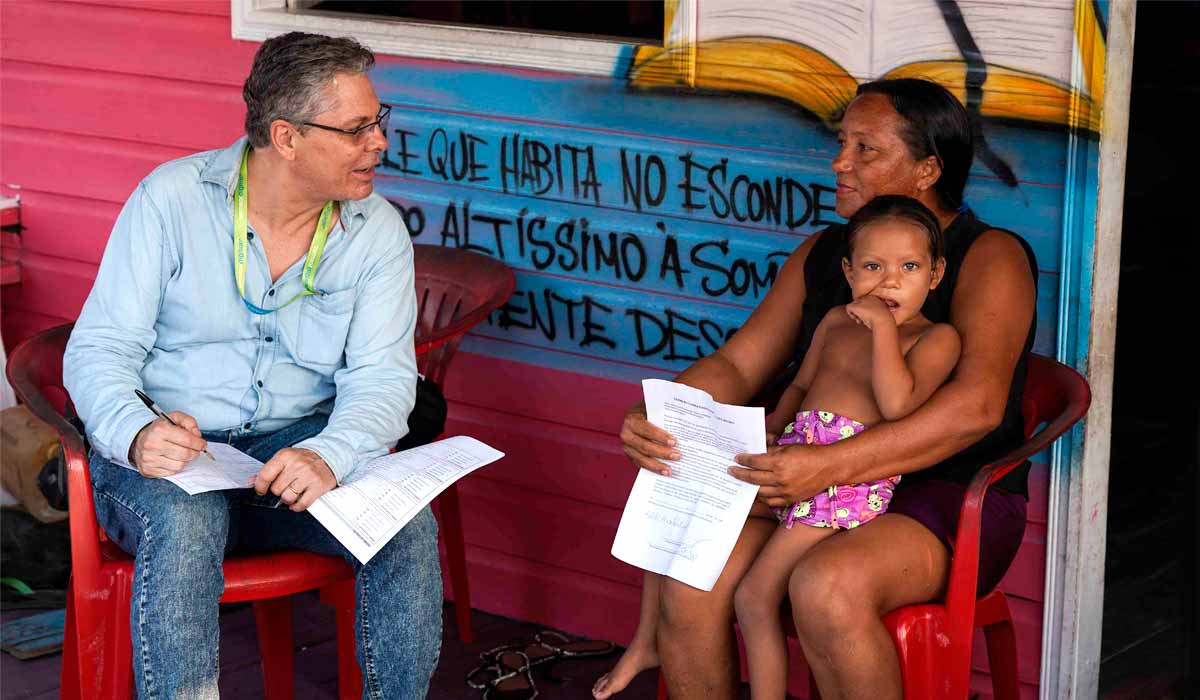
(842,382)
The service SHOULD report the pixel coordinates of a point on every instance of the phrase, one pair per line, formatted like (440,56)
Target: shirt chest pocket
(324,325)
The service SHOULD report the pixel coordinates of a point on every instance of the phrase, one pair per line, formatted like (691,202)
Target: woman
(907,137)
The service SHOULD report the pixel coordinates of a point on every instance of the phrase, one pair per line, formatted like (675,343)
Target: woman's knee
(682,607)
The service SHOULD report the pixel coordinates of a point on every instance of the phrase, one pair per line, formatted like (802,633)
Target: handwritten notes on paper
(232,469)
(685,525)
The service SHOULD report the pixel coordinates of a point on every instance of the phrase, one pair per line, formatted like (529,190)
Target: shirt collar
(222,170)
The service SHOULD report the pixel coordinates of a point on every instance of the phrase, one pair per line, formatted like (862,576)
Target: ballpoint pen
(159,412)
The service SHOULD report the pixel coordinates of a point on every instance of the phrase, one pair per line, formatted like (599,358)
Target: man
(263,295)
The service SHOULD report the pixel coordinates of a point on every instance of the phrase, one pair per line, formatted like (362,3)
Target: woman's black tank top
(826,287)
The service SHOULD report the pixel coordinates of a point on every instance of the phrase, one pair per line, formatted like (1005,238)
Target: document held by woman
(685,525)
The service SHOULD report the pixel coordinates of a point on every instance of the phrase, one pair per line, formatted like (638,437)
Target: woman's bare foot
(637,658)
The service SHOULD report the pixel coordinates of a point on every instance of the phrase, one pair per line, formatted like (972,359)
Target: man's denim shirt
(165,316)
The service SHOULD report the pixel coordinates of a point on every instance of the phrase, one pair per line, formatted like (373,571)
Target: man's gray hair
(289,78)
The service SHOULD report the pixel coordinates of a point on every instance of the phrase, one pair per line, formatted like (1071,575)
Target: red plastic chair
(456,290)
(97,655)
(934,639)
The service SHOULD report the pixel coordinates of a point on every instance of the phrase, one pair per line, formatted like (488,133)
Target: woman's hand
(645,443)
(786,474)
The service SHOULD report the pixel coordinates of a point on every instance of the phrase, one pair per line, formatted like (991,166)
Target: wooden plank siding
(97,94)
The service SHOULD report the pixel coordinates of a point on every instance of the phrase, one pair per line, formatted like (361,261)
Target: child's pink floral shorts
(842,507)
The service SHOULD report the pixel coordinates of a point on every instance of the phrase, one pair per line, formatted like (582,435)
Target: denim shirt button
(271,293)
(260,384)
(250,235)
(246,426)
(268,339)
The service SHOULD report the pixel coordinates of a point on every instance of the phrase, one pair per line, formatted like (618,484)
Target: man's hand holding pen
(161,449)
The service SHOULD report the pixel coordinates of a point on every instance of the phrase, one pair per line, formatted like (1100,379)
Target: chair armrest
(961,591)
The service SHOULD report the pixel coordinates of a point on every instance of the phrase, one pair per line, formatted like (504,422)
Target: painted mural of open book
(1036,60)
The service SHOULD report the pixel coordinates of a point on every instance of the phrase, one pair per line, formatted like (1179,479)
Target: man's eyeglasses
(362,133)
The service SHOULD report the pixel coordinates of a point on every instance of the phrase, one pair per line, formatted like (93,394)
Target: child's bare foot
(637,658)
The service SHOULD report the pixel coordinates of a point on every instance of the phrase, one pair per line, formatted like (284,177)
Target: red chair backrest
(456,289)
(35,372)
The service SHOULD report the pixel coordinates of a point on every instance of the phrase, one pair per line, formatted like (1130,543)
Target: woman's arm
(738,369)
(992,310)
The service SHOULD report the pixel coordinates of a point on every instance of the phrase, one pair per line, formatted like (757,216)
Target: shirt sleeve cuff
(124,436)
(338,460)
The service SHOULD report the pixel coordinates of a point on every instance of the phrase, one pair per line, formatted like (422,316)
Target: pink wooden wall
(97,94)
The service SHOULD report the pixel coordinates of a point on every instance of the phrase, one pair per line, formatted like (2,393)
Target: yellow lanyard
(311,261)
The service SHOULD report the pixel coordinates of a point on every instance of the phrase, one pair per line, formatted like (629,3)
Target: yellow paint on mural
(809,78)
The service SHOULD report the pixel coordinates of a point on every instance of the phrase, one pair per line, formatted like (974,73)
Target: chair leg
(341,597)
(993,615)
(1001,640)
(68,680)
(273,617)
(456,557)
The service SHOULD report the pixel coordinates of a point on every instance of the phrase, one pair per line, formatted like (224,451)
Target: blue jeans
(179,542)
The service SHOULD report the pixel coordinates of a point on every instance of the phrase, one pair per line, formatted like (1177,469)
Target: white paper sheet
(373,503)
(685,525)
(381,496)
(232,469)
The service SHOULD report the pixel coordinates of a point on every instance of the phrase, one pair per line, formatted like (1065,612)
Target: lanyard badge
(240,245)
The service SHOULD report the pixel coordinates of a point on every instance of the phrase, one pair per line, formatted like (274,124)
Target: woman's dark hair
(897,206)
(935,124)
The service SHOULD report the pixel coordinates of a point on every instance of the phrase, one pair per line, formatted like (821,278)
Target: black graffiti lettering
(497,224)
(795,220)
(414,218)
(541,251)
(647,181)
(712,334)
(589,186)
(582,319)
(670,261)
(737,277)
(640,319)
(673,335)
(531,167)
(718,189)
(592,329)
(564,236)
(530,317)
(690,190)
(630,245)
(403,154)
(459,231)
(818,207)
(455,159)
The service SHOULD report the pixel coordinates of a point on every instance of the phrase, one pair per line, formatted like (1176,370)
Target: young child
(875,359)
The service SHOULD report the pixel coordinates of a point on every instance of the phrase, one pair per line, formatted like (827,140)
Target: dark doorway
(1149,648)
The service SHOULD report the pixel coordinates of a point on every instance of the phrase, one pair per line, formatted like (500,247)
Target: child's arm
(793,395)
(901,383)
